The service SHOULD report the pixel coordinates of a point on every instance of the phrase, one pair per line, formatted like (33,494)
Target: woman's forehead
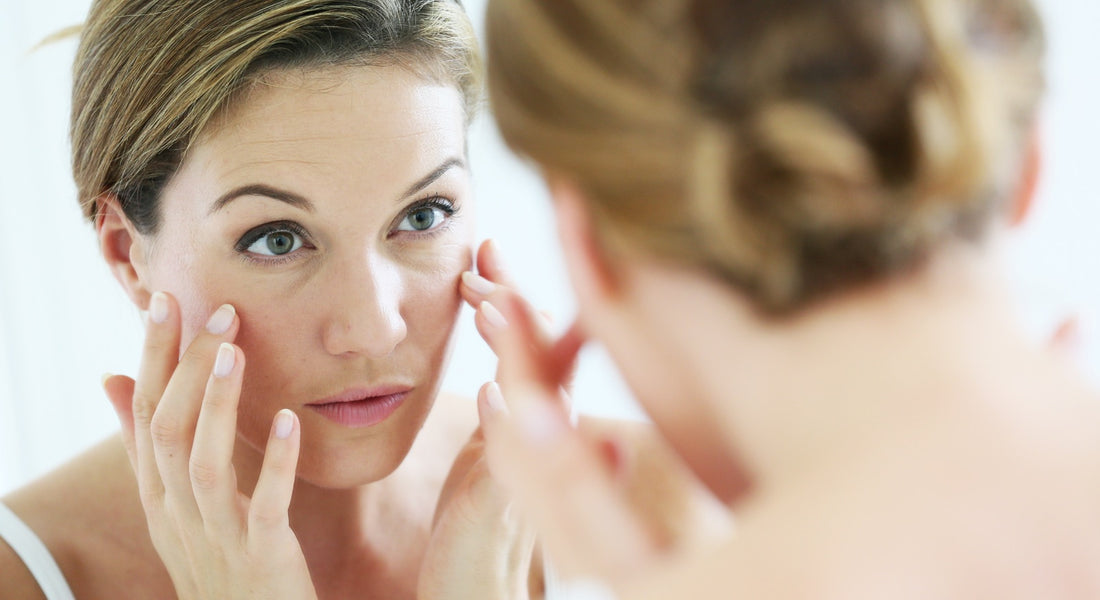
(368,104)
(357,126)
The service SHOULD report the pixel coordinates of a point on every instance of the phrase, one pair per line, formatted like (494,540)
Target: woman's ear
(591,275)
(123,249)
(1024,200)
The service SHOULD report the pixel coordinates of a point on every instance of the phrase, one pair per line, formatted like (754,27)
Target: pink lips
(362,407)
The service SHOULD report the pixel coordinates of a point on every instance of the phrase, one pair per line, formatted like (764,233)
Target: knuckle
(143,409)
(164,429)
(204,476)
(151,500)
(160,343)
(218,399)
(199,351)
(264,517)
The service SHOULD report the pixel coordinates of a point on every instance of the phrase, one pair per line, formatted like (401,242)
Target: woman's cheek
(196,304)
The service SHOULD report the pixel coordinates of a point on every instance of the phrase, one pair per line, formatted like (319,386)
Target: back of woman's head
(791,147)
(150,75)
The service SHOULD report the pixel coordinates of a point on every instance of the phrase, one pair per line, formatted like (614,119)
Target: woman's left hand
(585,519)
(479,548)
(565,482)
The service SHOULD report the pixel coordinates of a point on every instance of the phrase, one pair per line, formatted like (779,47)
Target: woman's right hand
(179,427)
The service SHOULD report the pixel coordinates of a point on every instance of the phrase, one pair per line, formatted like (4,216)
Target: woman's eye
(423,218)
(276,243)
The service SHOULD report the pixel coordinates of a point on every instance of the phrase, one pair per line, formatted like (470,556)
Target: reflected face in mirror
(332,208)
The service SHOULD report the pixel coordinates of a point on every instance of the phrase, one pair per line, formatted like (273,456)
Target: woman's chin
(345,468)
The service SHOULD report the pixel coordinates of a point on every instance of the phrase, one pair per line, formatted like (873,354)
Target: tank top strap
(34,555)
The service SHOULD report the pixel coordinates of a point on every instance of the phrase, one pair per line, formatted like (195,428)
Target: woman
(781,219)
(283,187)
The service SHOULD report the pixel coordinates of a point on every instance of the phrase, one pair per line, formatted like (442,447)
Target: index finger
(159,357)
(490,264)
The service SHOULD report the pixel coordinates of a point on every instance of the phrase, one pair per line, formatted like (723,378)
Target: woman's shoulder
(88,514)
(17,581)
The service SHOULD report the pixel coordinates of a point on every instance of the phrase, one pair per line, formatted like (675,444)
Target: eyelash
(444,204)
(258,233)
(252,236)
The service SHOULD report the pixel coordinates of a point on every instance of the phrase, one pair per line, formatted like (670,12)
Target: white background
(64,321)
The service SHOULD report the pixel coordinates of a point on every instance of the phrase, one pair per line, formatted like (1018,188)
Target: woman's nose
(365,305)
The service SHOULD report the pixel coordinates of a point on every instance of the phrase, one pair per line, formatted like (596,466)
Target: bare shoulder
(17,581)
(88,515)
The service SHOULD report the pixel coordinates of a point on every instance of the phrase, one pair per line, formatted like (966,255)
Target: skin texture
(233,510)
(338,308)
(353,142)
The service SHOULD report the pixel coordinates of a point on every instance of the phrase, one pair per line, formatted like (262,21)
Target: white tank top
(34,554)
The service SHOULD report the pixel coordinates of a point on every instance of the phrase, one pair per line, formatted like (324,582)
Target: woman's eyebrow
(431,177)
(261,190)
(300,202)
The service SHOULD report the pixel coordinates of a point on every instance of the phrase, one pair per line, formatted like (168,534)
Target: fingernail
(227,357)
(494,254)
(103,380)
(494,400)
(221,319)
(492,315)
(158,307)
(284,424)
(478,283)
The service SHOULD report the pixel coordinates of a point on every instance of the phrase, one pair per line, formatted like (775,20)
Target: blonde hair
(790,147)
(150,75)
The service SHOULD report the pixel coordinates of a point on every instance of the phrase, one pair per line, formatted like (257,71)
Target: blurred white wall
(64,321)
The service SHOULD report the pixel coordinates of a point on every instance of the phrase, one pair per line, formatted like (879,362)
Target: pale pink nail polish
(284,424)
(158,308)
(223,364)
(494,400)
(221,319)
(492,315)
(494,255)
(478,283)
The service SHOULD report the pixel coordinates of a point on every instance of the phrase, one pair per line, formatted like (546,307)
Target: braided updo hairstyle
(793,148)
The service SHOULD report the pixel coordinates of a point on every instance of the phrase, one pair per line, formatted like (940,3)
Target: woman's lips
(361,407)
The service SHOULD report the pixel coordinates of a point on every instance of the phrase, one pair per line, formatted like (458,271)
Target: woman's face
(332,208)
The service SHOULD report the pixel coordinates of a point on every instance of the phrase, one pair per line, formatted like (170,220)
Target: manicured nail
(478,283)
(221,319)
(494,400)
(223,364)
(494,255)
(492,315)
(158,307)
(284,424)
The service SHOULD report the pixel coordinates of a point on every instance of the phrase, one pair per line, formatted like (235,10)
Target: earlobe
(1024,200)
(120,245)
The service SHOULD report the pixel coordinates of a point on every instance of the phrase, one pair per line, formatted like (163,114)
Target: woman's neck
(792,393)
(367,536)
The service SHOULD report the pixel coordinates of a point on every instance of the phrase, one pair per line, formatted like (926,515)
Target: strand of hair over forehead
(242,31)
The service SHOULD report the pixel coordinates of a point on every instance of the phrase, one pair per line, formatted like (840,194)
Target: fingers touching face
(334,211)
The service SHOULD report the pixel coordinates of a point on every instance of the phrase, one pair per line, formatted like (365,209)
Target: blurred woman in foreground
(782,220)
